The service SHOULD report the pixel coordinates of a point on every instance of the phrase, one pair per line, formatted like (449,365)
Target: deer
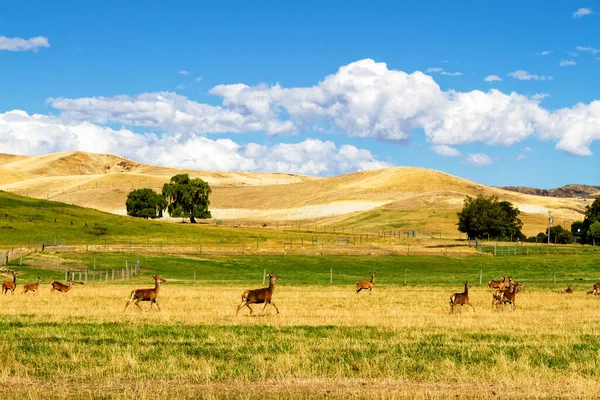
(32,287)
(10,285)
(138,295)
(510,295)
(61,287)
(259,296)
(596,290)
(366,284)
(461,298)
(498,284)
(568,290)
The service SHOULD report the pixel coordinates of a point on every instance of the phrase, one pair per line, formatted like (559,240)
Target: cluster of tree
(558,235)
(182,197)
(483,216)
(588,230)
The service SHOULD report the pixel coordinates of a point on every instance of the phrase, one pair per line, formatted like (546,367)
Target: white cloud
(526,76)
(18,44)
(527,149)
(437,70)
(446,151)
(198,79)
(478,160)
(543,53)
(362,99)
(582,12)
(521,157)
(167,112)
(451,73)
(567,63)
(183,72)
(492,78)
(36,134)
(590,49)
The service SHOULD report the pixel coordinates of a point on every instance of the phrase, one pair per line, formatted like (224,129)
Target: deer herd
(504,292)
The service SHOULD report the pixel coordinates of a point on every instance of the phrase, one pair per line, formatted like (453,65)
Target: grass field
(398,342)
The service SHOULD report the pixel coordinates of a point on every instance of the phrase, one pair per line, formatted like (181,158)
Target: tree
(145,203)
(187,197)
(595,232)
(560,235)
(487,216)
(592,214)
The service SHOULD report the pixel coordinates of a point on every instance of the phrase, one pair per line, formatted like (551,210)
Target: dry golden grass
(399,342)
(103,182)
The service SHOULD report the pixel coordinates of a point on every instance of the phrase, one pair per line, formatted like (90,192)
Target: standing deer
(138,295)
(258,296)
(10,285)
(461,298)
(61,287)
(33,287)
(499,284)
(366,284)
(510,295)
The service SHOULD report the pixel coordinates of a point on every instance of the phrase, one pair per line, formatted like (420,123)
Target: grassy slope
(119,229)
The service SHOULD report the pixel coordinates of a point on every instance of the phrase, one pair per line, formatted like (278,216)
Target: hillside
(401,198)
(567,191)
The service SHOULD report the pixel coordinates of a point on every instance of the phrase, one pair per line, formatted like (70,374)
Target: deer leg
(265,306)
(358,290)
(157,304)
(471,306)
(273,304)
(137,303)
(239,308)
(250,308)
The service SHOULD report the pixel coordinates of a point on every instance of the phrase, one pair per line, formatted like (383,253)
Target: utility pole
(549,222)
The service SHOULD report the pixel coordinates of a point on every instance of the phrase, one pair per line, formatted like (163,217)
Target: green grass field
(398,342)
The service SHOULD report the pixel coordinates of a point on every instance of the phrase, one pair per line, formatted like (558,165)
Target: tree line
(483,217)
(182,197)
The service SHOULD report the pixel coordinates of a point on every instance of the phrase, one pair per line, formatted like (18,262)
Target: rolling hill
(398,198)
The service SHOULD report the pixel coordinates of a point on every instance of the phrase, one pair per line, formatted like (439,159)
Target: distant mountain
(568,191)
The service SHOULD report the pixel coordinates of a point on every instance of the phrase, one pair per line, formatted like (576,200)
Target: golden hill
(401,198)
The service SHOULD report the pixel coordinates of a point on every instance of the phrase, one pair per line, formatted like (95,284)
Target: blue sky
(310,87)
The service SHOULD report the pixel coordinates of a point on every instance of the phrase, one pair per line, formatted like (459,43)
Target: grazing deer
(138,295)
(461,298)
(32,287)
(61,287)
(366,284)
(499,284)
(258,296)
(568,290)
(10,285)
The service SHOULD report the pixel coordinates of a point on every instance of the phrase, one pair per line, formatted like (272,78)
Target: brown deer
(499,284)
(258,296)
(32,287)
(461,298)
(568,290)
(596,290)
(138,295)
(61,287)
(510,295)
(366,284)
(10,285)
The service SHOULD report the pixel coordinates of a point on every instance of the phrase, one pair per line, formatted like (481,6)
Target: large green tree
(592,214)
(595,232)
(483,216)
(187,197)
(145,203)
